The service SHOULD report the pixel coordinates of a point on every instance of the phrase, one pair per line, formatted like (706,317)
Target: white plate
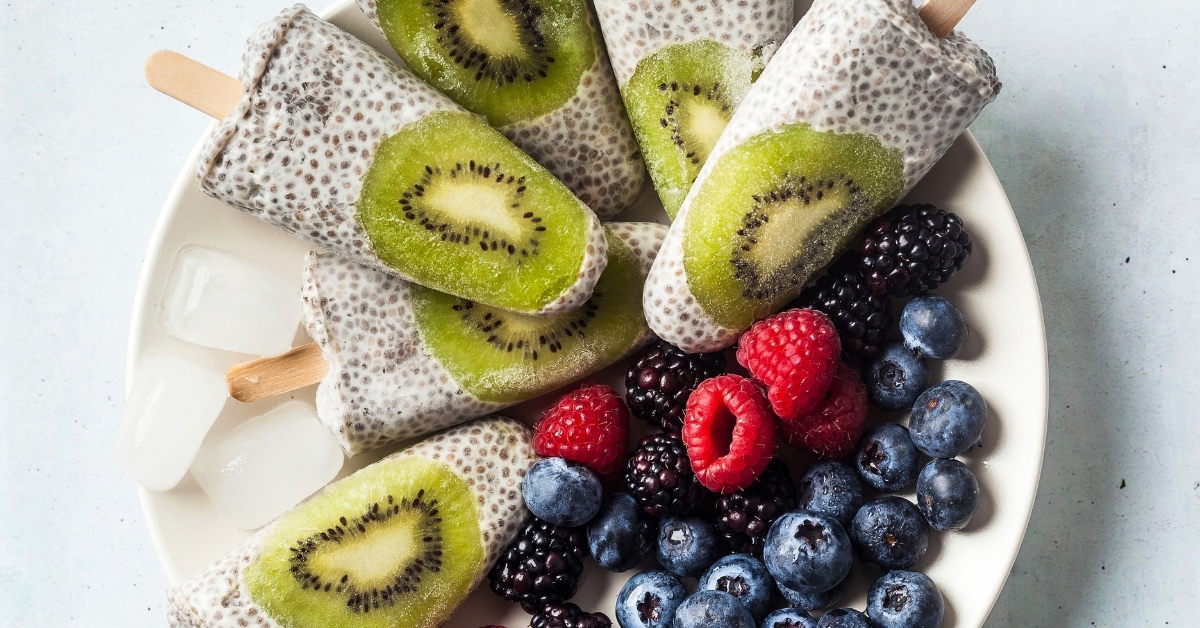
(1005,360)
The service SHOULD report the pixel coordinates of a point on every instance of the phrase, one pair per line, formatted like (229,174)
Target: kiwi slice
(396,544)
(505,357)
(507,60)
(775,210)
(680,99)
(451,203)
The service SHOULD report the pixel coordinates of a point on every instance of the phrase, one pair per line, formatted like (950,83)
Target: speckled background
(1095,138)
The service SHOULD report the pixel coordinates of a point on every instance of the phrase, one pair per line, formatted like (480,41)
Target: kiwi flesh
(396,544)
(453,205)
(506,60)
(679,100)
(504,357)
(775,210)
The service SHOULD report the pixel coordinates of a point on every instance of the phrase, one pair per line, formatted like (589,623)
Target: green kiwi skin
(523,280)
(702,64)
(363,498)
(495,374)
(568,39)
(715,220)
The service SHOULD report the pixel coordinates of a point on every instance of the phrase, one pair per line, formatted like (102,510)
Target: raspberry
(589,425)
(839,420)
(729,432)
(793,354)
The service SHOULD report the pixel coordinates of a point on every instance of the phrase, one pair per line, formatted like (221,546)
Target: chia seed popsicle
(333,143)
(405,360)
(856,106)
(401,542)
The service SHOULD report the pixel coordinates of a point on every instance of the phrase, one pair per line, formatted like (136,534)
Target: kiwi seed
(363,598)
(506,357)
(452,228)
(490,324)
(694,149)
(467,51)
(792,192)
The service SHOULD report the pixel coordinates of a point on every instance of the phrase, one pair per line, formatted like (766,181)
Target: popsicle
(399,543)
(859,102)
(332,142)
(398,360)
(538,72)
(683,68)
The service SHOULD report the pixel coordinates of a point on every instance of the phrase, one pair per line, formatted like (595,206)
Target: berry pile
(911,250)
(862,317)
(707,497)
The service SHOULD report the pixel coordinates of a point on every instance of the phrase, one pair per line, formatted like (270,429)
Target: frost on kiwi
(777,209)
(507,60)
(679,100)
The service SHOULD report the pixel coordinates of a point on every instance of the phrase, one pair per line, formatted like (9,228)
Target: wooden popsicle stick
(941,16)
(275,375)
(193,83)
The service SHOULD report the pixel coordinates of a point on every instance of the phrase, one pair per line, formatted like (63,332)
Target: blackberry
(568,615)
(863,318)
(745,516)
(541,566)
(912,250)
(659,476)
(661,380)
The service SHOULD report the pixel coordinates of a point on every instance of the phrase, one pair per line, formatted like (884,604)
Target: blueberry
(896,377)
(833,488)
(886,458)
(807,551)
(947,494)
(816,601)
(947,419)
(905,599)
(620,535)
(649,600)
(745,578)
(686,545)
(706,609)
(789,618)
(890,533)
(561,492)
(933,328)
(844,618)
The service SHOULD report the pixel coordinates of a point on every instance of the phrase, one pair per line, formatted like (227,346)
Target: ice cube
(219,300)
(265,466)
(171,406)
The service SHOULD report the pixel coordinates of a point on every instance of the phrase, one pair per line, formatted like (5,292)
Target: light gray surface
(1095,137)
